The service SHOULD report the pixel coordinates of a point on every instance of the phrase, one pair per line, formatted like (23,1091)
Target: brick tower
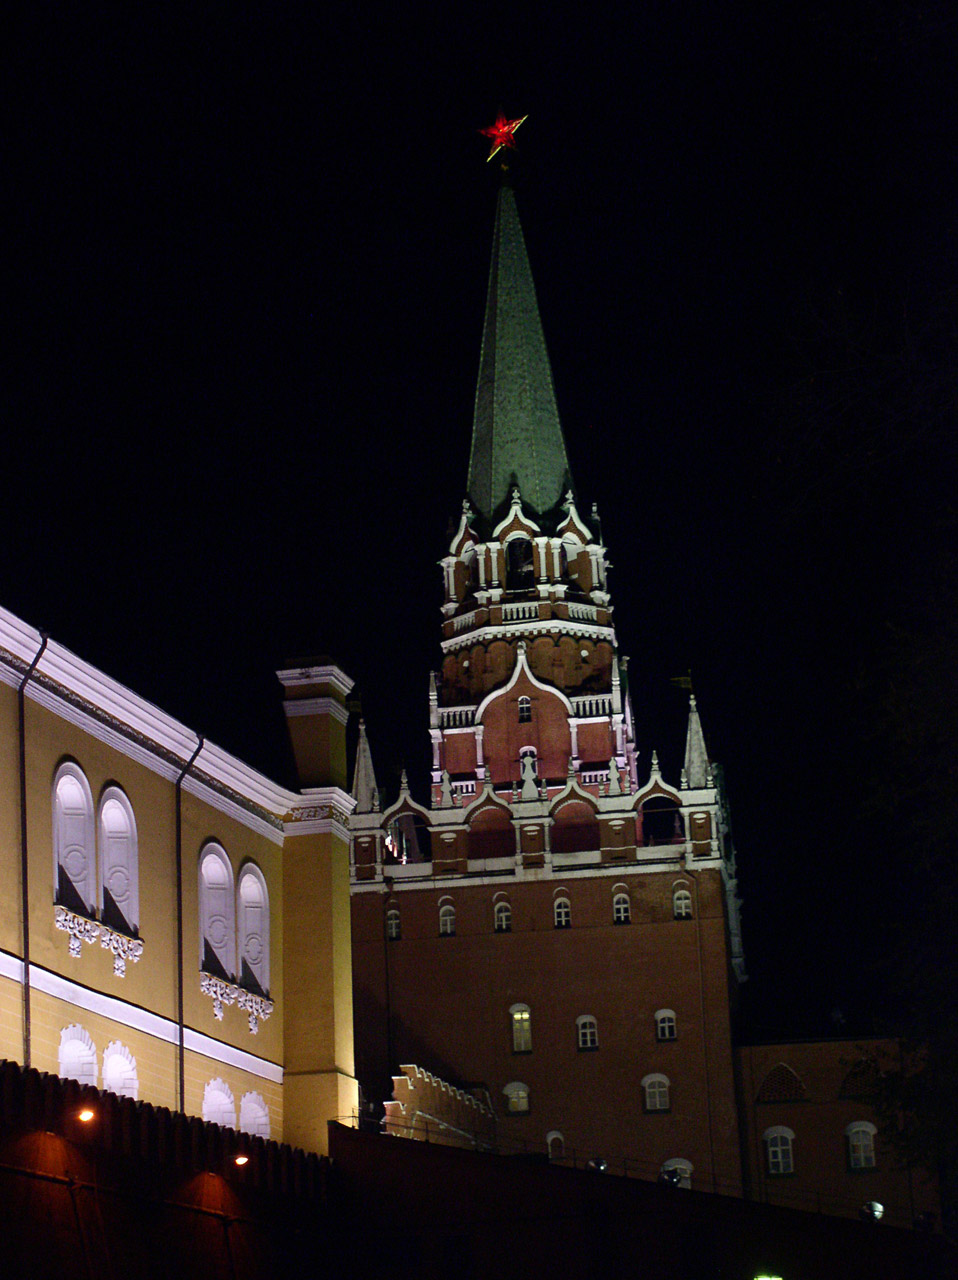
(559,924)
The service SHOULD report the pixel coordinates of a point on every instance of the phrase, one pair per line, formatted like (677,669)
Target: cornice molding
(295,677)
(538,626)
(316,707)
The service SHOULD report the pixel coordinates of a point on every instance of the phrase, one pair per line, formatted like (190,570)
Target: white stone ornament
(79,928)
(122,947)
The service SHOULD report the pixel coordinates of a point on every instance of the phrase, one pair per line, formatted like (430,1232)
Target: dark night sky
(249,267)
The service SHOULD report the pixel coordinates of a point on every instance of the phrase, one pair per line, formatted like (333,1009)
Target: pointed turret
(697,771)
(365,791)
(516,435)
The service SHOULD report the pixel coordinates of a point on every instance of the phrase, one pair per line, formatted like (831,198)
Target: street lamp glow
(86,1115)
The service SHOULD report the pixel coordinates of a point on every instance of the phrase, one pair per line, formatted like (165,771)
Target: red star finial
(502,133)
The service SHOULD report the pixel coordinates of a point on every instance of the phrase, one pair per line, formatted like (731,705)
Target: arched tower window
(393,924)
(562,913)
(119,1070)
(678,1172)
(665,1024)
(520,570)
(555,1144)
(860,1137)
(517,1097)
(661,821)
(77,1057)
(779,1150)
(447,918)
(502,916)
(73,841)
(621,909)
(655,1089)
(119,869)
(254,1115)
(218,1104)
(217,918)
(587,1031)
(681,903)
(525,710)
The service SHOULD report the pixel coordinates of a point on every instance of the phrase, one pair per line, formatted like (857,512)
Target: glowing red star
(502,133)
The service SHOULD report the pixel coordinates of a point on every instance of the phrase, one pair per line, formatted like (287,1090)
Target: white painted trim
(316,707)
(481,872)
(138,1019)
(522,664)
(540,626)
(329,674)
(318,827)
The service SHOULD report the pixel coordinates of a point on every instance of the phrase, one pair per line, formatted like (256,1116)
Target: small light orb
(241,1160)
(86,1115)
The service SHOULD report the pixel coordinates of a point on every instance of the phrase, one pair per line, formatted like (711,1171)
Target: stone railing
(582,612)
(81,930)
(227,993)
(595,704)
(463,621)
(456,717)
(520,612)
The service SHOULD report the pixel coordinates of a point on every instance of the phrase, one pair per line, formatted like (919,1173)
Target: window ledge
(82,929)
(226,993)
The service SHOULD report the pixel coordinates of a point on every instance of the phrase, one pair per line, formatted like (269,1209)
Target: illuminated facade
(174,927)
(558,927)
(560,922)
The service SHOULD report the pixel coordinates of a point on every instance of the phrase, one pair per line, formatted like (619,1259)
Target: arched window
(525,710)
(217,918)
(73,841)
(681,904)
(661,821)
(678,1173)
(860,1137)
(253,913)
(562,913)
(655,1089)
(520,1018)
(665,1024)
(520,570)
(575,829)
(119,1070)
(119,872)
(218,1104)
(77,1058)
(621,909)
(587,1031)
(555,1144)
(393,924)
(517,1097)
(779,1150)
(254,1115)
(447,919)
(503,917)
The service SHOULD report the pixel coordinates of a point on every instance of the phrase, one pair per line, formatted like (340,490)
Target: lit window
(521,1019)
(503,917)
(254,1115)
(217,914)
(447,920)
(73,841)
(525,710)
(860,1137)
(218,1104)
(779,1156)
(587,1031)
(621,909)
(656,1091)
(517,1097)
(563,913)
(253,913)
(682,904)
(119,874)
(119,1070)
(77,1055)
(393,924)
(665,1025)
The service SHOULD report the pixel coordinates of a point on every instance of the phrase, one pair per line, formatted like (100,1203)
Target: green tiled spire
(516,436)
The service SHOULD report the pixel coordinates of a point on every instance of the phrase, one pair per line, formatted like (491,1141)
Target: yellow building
(173,925)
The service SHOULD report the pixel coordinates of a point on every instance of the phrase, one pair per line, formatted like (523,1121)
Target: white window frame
(621,908)
(860,1144)
(129,904)
(520,1024)
(71,839)
(517,1098)
(666,1025)
(219,1105)
(85,1058)
(682,907)
(657,1093)
(587,1032)
(447,918)
(779,1144)
(555,1145)
(225,952)
(119,1070)
(562,907)
(502,917)
(393,924)
(248,939)
(524,710)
